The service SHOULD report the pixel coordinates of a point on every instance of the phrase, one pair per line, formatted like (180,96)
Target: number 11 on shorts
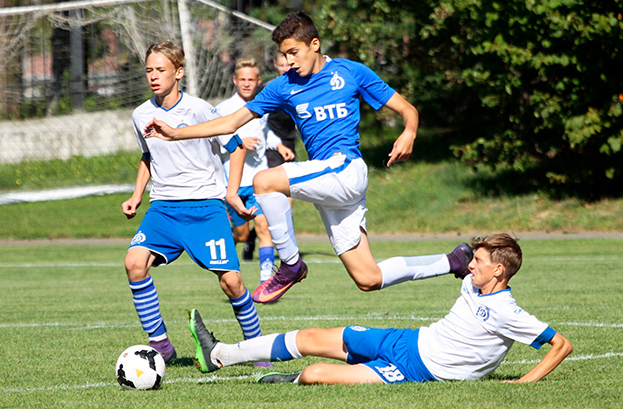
(213,244)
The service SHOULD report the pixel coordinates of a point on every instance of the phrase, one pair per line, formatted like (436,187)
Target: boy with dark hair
(469,343)
(322,96)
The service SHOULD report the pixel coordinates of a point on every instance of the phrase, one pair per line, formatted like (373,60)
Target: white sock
(276,208)
(273,347)
(400,269)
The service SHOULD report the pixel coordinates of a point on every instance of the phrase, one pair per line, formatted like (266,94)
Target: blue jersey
(325,105)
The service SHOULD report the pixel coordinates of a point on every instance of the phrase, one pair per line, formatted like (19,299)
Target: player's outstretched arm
(142,178)
(219,126)
(561,348)
(236,164)
(403,146)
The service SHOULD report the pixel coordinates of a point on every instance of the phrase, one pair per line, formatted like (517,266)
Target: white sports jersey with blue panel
(467,344)
(473,339)
(187,210)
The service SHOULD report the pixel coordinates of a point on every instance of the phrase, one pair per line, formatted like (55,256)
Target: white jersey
(255,161)
(473,339)
(182,170)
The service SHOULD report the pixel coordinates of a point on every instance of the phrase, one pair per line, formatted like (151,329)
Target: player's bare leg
(231,283)
(241,233)
(322,342)
(138,261)
(361,265)
(336,374)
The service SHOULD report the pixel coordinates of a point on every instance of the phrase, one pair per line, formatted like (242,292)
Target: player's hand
(402,148)
(251,143)
(285,152)
(129,207)
(235,202)
(159,129)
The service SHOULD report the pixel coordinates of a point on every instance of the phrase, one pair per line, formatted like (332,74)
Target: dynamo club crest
(483,313)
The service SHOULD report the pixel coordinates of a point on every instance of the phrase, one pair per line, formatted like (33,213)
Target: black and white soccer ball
(140,367)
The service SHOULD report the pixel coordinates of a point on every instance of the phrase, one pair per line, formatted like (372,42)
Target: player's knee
(368,283)
(232,284)
(135,268)
(263,183)
(313,374)
(241,237)
(308,337)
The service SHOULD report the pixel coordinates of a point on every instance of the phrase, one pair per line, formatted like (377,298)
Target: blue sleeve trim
(233,143)
(545,336)
(146,156)
(279,352)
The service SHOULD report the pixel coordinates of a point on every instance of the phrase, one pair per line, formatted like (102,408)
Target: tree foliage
(535,85)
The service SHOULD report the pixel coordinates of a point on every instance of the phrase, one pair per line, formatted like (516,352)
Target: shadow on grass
(515,183)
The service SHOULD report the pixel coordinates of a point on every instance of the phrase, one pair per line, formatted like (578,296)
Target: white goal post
(71,73)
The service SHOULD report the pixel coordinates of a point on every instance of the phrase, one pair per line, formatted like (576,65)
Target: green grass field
(66,314)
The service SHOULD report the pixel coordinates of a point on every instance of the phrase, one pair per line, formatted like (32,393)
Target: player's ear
(180,73)
(315,44)
(499,270)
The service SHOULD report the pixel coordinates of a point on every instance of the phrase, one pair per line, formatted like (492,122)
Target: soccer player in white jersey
(469,343)
(256,137)
(187,212)
(322,96)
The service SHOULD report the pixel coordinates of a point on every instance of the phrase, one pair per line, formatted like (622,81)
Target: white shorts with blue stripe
(337,187)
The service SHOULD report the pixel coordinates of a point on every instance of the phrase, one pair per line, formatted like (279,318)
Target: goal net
(71,73)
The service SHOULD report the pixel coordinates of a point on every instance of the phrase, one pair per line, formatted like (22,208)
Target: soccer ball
(140,367)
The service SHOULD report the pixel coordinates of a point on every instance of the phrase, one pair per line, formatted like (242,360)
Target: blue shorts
(391,353)
(247,197)
(199,227)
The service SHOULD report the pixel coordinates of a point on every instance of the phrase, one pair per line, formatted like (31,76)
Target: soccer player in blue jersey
(187,211)
(469,343)
(322,96)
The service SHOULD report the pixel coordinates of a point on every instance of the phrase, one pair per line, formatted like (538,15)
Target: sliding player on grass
(469,343)
(322,96)
(187,211)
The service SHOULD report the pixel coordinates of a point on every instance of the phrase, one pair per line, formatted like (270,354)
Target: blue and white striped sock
(147,307)
(245,313)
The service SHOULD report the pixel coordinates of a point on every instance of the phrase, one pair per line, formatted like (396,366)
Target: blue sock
(147,306)
(245,313)
(267,261)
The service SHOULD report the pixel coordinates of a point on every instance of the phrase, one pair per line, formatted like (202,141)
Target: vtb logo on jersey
(337,82)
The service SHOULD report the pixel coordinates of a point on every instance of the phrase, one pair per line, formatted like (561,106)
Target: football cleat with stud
(205,342)
(276,377)
(164,348)
(459,259)
(285,277)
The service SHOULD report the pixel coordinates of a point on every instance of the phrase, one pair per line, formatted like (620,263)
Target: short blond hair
(172,51)
(248,63)
(503,249)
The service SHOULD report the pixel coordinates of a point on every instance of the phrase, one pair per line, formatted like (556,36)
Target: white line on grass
(209,379)
(571,358)
(120,265)
(331,260)
(214,378)
(80,326)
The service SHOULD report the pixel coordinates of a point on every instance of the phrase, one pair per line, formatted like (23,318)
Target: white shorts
(337,187)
